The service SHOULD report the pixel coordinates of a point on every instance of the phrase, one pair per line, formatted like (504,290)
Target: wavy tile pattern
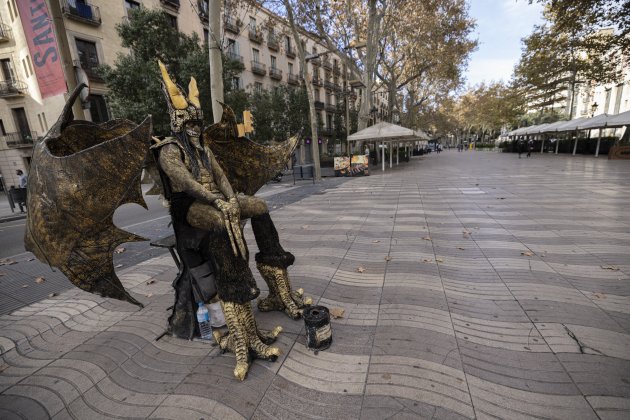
(473,285)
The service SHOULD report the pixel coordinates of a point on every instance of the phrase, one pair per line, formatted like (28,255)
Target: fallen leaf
(24,286)
(388,258)
(527,253)
(375,241)
(149,294)
(461,247)
(40,280)
(29,259)
(119,250)
(610,267)
(7,262)
(360,269)
(427,238)
(337,312)
(439,260)
(599,295)
(53,294)
(151,281)
(305,227)
(427,260)
(118,266)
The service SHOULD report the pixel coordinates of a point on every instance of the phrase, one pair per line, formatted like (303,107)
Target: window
(2,130)
(273,62)
(256,55)
(172,20)
(329,121)
(287,43)
(206,36)
(88,56)
(203,7)
(98,108)
(607,103)
(236,83)
(8,74)
(130,4)
(290,68)
(618,98)
(252,24)
(258,87)
(314,50)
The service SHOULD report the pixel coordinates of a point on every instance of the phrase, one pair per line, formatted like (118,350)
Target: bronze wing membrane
(247,165)
(81,172)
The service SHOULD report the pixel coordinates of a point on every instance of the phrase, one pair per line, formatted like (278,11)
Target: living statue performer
(202,198)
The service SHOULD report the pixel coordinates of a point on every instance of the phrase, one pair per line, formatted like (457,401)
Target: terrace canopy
(385,132)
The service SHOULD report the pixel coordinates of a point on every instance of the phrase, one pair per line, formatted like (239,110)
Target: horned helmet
(180,108)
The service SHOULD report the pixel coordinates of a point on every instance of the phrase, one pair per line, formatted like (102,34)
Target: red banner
(40,35)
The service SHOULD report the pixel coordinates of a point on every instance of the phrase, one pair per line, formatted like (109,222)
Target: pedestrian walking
(530,147)
(23,179)
(519,147)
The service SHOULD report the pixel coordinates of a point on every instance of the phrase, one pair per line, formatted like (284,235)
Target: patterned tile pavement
(490,287)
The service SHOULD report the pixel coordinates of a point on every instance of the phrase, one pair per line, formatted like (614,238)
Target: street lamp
(593,109)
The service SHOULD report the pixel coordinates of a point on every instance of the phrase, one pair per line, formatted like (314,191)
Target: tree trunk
(370,65)
(216,63)
(317,171)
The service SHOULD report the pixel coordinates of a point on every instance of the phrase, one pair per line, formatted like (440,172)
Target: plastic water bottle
(203,319)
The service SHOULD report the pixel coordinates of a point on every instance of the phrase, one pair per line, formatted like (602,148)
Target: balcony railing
(82,12)
(20,139)
(290,52)
(90,70)
(5,33)
(293,79)
(325,131)
(272,43)
(327,64)
(231,55)
(331,108)
(275,73)
(319,105)
(12,88)
(259,68)
(317,81)
(233,25)
(171,3)
(329,85)
(255,35)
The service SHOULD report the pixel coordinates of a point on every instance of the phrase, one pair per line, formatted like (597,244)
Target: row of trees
(581,43)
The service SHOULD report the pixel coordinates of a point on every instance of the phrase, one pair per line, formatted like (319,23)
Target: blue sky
(500,26)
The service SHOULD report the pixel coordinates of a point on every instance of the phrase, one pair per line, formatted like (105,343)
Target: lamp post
(593,109)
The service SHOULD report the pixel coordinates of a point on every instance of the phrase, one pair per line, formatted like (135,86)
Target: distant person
(530,147)
(519,147)
(22,179)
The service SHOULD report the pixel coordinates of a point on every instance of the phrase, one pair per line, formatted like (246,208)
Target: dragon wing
(81,172)
(247,165)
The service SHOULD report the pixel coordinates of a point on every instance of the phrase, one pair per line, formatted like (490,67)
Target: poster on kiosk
(357,166)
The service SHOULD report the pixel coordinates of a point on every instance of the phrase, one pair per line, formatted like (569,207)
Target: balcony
(82,12)
(12,88)
(20,139)
(290,52)
(319,105)
(272,43)
(317,81)
(327,65)
(255,35)
(336,70)
(293,79)
(234,56)
(329,85)
(5,33)
(233,25)
(316,61)
(171,3)
(275,73)
(259,68)
(90,70)
(331,108)
(325,131)
(202,6)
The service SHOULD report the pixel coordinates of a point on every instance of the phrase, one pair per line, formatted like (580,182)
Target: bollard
(318,331)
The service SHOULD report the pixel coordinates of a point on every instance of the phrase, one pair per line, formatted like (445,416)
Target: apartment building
(255,36)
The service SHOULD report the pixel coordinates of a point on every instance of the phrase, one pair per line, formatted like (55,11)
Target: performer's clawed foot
(281,297)
(244,339)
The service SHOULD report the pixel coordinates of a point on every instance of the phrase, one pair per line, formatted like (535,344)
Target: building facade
(255,36)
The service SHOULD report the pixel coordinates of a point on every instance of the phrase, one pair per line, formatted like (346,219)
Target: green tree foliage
(558,57)
(134,79)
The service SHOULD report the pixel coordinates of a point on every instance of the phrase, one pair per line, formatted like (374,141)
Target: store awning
(595,122)
(384,131)
(619,120)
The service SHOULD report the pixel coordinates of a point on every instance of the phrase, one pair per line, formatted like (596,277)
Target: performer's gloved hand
(232,214)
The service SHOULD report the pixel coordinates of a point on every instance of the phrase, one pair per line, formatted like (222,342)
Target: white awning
(595,122)
(619,120)
(384,131)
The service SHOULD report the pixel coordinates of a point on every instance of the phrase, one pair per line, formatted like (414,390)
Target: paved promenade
(474,284)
